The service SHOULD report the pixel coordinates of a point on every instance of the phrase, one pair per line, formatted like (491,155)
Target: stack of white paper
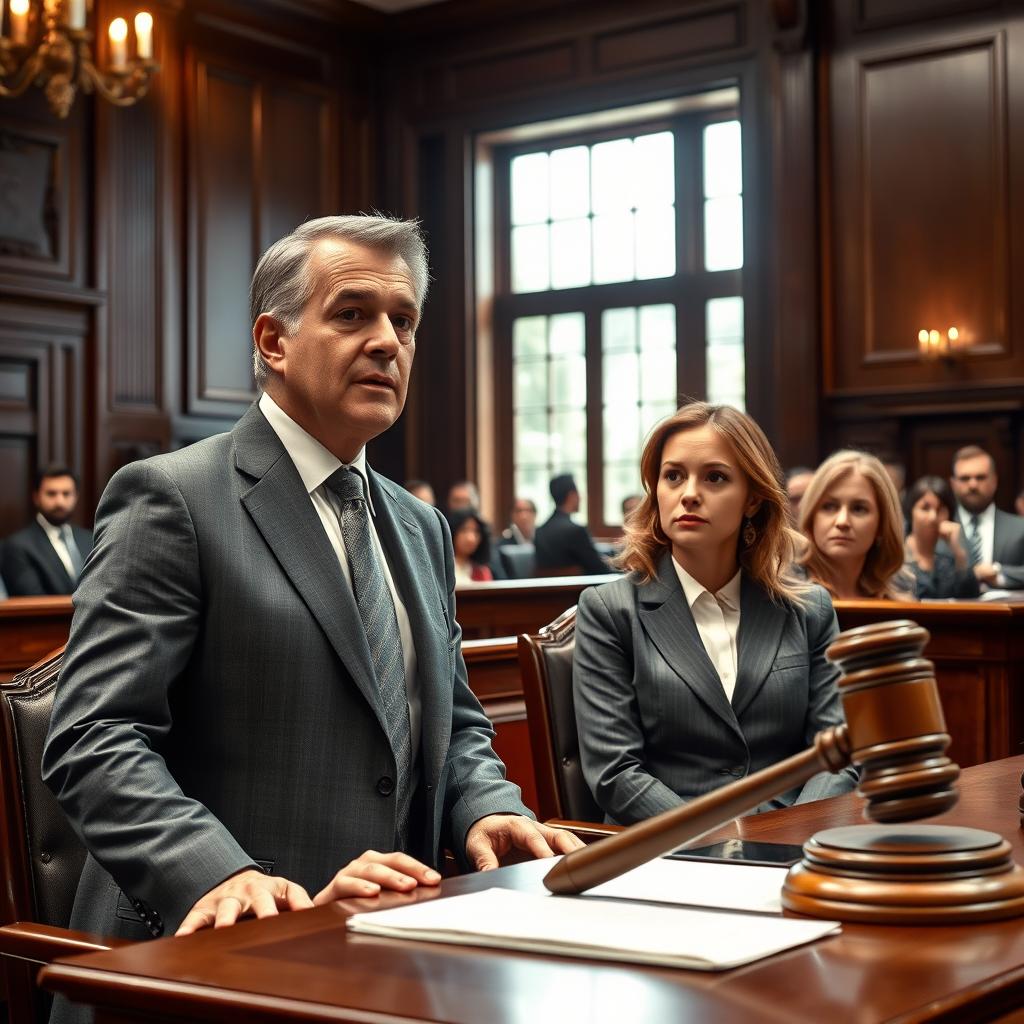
(598,929)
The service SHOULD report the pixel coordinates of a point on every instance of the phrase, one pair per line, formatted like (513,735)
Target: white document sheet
(598,929)
(697,883)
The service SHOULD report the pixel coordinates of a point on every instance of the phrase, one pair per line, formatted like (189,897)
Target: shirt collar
(984,518)
(312,460)
(729,594)
(52,531)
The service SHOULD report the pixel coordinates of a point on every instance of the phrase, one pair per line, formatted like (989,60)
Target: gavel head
(895,727)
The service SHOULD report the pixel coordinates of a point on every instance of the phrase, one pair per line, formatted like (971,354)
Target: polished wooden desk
(31,627)
(307,967)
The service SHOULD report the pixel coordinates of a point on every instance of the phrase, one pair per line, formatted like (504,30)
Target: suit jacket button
(385,785)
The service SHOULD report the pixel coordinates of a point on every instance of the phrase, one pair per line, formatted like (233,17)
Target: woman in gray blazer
(706,662)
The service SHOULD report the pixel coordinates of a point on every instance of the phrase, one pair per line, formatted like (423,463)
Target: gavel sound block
(881,874)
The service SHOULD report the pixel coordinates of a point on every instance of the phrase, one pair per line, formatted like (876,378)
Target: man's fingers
(481,852)
(344,886)
(228,910)
(264,903)
(195,921)
(563,841)
(399,862)
(527,836)
(295,897)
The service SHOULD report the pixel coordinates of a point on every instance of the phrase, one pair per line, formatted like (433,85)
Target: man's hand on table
(492,837)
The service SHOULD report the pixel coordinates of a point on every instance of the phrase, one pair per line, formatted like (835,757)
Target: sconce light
(47,42)
(933,344)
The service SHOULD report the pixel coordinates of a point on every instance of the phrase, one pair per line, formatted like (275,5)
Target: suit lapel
(668,621)
(283,513)
(60,582)
(761,625)
(414,577)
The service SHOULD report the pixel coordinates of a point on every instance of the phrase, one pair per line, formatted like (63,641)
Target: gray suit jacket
(217,708)
(655,726)
(1008,547)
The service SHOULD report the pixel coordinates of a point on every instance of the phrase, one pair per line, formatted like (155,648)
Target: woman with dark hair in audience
(852,523)
(471,542)
(935,557)
(706,662)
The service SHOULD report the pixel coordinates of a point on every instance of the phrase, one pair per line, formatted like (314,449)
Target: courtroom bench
(31,627)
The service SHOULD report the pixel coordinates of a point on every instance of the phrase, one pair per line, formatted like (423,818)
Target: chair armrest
(42,943)
(588,831)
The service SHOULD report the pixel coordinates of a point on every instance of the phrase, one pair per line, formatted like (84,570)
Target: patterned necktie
(974,541)
(74,554)
(377,611)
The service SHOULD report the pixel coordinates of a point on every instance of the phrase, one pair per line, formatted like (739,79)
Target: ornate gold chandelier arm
(120,88)
(23,76)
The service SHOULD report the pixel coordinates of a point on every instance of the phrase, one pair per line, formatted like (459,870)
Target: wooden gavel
(895,734)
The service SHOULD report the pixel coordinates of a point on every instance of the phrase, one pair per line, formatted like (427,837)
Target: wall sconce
(934,344)
(47,42)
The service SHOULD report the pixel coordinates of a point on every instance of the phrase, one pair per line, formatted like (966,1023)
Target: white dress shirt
(986,530)
(56,537)
(315,464)
(717,617)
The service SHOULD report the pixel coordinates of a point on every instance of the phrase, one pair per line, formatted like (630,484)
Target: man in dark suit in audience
(264,683)
(994,539)
(560,542)
(47,556)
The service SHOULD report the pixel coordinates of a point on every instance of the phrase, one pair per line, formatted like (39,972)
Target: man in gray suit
(994,539)
(264,682)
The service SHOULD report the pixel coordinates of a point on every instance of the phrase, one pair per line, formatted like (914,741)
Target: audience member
(1018,504)
(561,543)
(897,473)
(47,556)
(523,523)
(851,520)
(422,490)
(797,480)
(471,542)
(707,662)
(463,495)
(994,539)
(935,556)
(629,503)
(264,667)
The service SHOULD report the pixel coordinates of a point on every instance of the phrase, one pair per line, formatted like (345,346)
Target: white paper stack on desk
(619,928)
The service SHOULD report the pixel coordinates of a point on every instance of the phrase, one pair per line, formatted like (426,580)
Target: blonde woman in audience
(853,528)
(706,662)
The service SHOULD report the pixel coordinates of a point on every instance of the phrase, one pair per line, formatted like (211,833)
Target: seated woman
(935,556)
(853,528)
(471,542)
(707,661)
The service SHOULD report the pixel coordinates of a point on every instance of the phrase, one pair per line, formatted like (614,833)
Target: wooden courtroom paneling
(30,628)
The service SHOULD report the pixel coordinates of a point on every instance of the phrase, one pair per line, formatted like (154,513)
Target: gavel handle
(608,858)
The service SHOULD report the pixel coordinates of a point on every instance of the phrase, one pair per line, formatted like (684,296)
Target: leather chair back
(545,662)
(40,856)
(519,561)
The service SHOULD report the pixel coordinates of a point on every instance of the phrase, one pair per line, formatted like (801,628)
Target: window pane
(723,233)
(568,438)
(611,172)
(657,328)
(726,372)
(658,376)
(530,258)
(532,482)
(723,165)
(530,188)
(531,384)
(613,248)
(654,174)
(529,336)
(570,183)
(655,242)
(531,438)
(569,381)
(651,415)
(622,434)
(566,332)
(620,481)
(618,330)
(621,379)
(570,253)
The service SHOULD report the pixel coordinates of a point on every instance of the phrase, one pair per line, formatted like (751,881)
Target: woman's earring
(749,534)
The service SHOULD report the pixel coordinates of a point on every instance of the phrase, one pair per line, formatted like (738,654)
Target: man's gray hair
(282,285)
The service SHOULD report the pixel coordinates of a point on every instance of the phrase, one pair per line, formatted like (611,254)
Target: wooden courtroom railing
(31,627)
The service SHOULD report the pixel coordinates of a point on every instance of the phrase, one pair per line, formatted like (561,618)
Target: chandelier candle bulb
(19,22)
(118,34)
(144,35)
(76,15)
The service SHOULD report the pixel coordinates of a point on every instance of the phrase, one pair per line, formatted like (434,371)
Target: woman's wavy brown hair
(881,576)
(769,560)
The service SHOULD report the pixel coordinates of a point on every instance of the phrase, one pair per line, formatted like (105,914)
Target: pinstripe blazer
(655,726)
(217,708)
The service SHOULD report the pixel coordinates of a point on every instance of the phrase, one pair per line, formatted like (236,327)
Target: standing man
(994,539)
(560,542)
(47,556)
(264,683)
